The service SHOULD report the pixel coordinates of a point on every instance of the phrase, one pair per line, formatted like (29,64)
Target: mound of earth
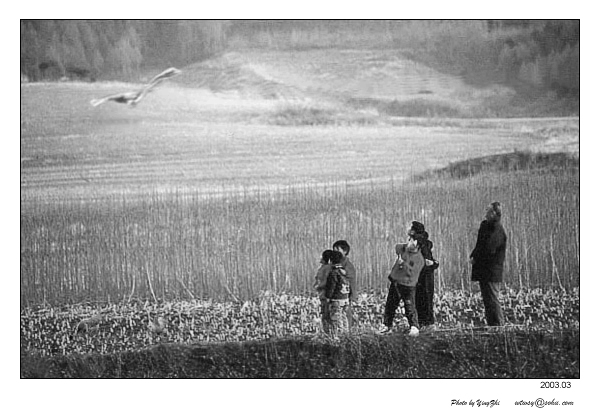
(505,162)
(232,73)
(350,76)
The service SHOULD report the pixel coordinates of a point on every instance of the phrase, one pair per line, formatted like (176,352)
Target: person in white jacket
(403,281)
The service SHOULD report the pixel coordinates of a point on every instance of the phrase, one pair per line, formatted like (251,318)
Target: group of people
(412,278)
(336,284)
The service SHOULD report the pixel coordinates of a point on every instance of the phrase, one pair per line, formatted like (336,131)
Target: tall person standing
(488,262)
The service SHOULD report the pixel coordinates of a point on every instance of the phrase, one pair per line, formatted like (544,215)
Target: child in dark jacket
(344,247)
(338,291)
(320,284)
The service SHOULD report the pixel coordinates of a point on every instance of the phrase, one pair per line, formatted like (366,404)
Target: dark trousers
(325,317)
(424,300)
(396,293)
(493,311)
(350,315)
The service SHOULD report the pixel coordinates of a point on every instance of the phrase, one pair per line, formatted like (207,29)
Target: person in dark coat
(426,285)
(488,262)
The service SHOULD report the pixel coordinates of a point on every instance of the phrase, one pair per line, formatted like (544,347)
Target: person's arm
(330,285)
(436,263)
(478,245)
(321,278)
(497,241)
(351,273)
(430,262)
(420,264)
(400,248)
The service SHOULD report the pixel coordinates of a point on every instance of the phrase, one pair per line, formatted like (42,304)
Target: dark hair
(336,257)
(421,239)
(326,256)
(342,244)
(417,227)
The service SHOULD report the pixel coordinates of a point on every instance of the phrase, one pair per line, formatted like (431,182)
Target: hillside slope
(334,73)
(380,80)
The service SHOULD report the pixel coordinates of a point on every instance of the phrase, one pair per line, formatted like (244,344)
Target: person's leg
(325,317)
(421,300)
(344,325)
(493,311)
(335,315)
(349,318)
(391,305)
(496,312)
(485,296)
(407,294)
(429,317)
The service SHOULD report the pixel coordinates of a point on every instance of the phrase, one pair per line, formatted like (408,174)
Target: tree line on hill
(91,49)
(544,53)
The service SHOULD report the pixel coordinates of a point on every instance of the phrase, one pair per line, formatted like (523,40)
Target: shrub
(301,114)
(420,108)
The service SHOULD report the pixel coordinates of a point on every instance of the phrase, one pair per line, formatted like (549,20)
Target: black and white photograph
(303,204)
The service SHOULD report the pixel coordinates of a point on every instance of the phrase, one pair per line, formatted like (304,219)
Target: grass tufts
(313,115)
(470,354)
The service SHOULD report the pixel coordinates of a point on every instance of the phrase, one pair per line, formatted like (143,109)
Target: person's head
(336,257)
(416,242)
(416,228)
(493,211)
(341,246)
(326,256)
